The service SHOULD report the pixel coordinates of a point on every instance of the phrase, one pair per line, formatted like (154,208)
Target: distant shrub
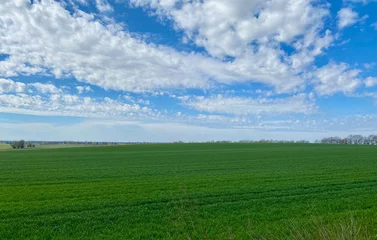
(30,145)
(18,144)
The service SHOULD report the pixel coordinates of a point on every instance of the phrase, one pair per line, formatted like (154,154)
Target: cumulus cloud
(347,17)
(83,89)
(333,78)
(77,45)
(251,32)
(238,23)
(44,88)
(309,48)
(104,6)
(61,104)
(7,85)
(370,81)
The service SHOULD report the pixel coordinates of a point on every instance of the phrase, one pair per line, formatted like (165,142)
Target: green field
(53,146)
(190,191)
(4,146)
(47,146)
(44,146)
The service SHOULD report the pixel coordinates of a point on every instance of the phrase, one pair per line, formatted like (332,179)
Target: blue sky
(190,70)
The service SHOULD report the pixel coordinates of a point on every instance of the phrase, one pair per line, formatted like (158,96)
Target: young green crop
(189,191)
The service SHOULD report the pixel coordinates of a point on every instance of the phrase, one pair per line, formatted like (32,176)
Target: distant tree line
(254,141)
(273,141)
(250,141)
(21,144)
(351,139)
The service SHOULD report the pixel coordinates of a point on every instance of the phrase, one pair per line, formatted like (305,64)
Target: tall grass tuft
(341,230)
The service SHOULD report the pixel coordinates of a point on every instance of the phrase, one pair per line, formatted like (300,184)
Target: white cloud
(347,17)
(7,85)
(333,78)
(61,44)
(238,23)
(104,6)
(61,104)
(83,89)
(45,88)
(246,106)
(370,81)
(250,31)
(310,47)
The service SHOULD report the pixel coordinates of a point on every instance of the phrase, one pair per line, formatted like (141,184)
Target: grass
(342,230)
(5,146)
(190,191)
